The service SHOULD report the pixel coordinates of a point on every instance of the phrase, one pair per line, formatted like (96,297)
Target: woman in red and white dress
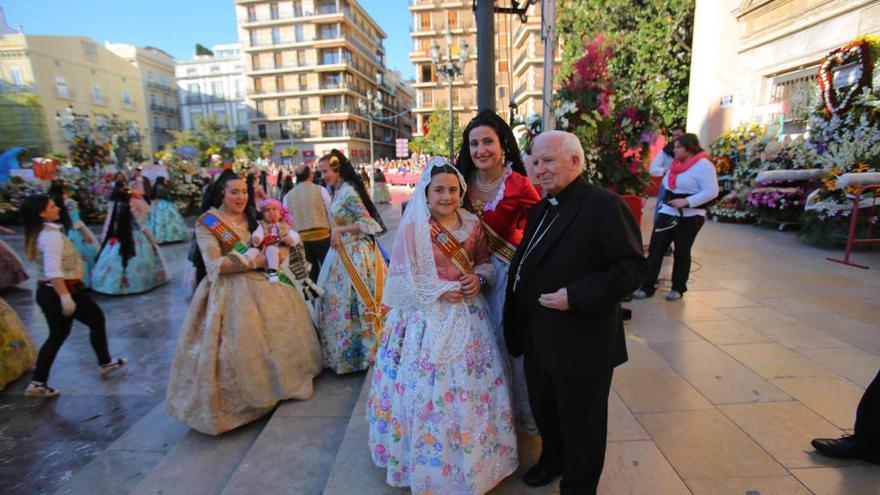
(500,193)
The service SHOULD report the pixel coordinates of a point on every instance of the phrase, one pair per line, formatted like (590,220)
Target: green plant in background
(22,124)
(289,152)
(652,40)
(435,138)
(209,136)
(266,147)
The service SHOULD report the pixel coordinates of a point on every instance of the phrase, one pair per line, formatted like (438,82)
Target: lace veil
(412,283)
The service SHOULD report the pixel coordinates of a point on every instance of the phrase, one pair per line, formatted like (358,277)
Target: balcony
(161,108)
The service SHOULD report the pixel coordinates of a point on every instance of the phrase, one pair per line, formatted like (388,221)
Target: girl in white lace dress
(439,408)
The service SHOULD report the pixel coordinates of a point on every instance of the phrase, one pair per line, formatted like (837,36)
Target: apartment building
(74,74)
(519,60)
(213,84)
(160,95)
(313,67)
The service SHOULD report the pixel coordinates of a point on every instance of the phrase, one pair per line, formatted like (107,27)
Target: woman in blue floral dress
(439,407)
(353,274)
(129,261)
(164,221)
(77,231)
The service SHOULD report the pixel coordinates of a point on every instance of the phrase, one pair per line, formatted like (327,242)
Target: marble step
(200,464)
(296,450)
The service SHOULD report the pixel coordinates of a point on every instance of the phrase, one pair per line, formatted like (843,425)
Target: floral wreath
(852,52)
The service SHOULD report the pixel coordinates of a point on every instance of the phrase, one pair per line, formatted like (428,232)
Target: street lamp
(450,69)
(370,105)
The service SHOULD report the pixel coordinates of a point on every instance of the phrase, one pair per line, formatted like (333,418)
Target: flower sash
(450,246)
(375,312)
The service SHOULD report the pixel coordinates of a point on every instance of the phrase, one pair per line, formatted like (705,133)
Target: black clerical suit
(593,249)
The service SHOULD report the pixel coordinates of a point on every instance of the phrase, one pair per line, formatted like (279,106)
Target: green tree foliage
(202,50)
(266,148)
(209,137)
(652,40)
(436,140)
(22,124)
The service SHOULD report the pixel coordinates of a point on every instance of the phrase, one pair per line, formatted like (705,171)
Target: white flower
(533,119)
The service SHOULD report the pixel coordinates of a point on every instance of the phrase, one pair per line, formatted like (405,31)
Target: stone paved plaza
(771,347)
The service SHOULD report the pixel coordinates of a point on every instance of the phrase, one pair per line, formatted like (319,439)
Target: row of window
(62,90)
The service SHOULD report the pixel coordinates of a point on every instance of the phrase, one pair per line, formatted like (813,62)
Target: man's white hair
(569,144)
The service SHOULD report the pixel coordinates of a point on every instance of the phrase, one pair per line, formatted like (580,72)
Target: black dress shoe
(540,475)
(844,447)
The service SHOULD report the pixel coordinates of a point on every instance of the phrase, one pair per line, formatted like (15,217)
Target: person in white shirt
(690,182)
(661,162)
(60,292)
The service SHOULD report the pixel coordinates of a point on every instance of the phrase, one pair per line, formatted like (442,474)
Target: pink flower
(450,396)
(462,396)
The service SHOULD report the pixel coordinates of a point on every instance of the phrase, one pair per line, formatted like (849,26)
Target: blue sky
(177,25)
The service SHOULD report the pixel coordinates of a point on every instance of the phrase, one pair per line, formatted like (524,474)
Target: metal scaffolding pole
(548,36)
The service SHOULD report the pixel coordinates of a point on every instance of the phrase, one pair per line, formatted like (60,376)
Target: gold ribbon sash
(375,312)
(498,245)
(450,246)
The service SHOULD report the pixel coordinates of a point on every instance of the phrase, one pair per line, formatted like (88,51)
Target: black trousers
(572,417)
(87,312)
(316,251)
(867,429)
(683,236)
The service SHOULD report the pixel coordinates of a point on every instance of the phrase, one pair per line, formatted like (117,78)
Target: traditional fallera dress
(349,314)
(17,350)
(145,271)
(439,408)
(87,249)
(504,220)
(11,270)
(244,346)
(164,220)
(380,188)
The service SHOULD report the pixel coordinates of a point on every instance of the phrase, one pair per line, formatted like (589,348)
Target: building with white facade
(757,60)
(213,85)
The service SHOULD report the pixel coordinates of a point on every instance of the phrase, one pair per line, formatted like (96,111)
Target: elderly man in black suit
(580,256)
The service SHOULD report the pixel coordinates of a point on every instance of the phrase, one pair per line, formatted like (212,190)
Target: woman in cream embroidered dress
(500,193)
(346,323)
(439,410)
(245,344)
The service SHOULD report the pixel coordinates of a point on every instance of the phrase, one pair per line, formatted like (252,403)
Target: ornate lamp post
(450,69)
(372,106)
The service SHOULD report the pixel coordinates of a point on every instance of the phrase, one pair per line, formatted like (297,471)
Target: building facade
(74,74)
(213,85)
(519,60)
(757,60)
(313,67)
(157,79)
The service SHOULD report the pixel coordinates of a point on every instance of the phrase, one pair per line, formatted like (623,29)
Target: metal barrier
(853,224)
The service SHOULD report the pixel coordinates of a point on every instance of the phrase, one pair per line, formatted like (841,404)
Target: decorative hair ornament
(334,163)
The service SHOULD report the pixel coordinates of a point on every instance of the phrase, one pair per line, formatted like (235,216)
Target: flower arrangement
(11,196)
(856,52)
(614,131)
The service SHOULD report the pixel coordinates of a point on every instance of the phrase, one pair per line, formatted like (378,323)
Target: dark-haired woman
(245,343)
(380,187)
(80,235)
(164,220)
(129,261)
(500,193)
(353,275)
(690,183)
(60,293)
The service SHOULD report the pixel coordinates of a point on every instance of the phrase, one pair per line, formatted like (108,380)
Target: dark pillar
(486,54)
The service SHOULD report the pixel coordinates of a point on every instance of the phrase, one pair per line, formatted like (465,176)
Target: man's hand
(680,203)
(557,300)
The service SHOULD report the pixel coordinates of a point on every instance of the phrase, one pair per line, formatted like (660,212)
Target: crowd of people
(497,311)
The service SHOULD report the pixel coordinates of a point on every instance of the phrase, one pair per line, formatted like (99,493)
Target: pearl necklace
(487,188)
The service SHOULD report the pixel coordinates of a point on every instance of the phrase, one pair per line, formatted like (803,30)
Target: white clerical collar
(553,201)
